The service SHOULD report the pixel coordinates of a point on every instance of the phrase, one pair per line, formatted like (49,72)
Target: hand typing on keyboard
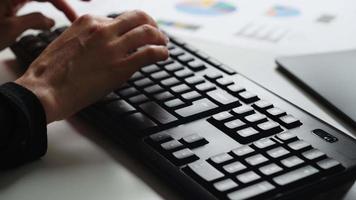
(92,58)
(13,26)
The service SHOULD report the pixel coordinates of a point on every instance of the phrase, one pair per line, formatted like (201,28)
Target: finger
(64,6)
(146,56)
(130,20)
(141,36)
(31,21)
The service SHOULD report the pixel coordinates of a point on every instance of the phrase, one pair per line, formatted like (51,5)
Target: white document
(280,26)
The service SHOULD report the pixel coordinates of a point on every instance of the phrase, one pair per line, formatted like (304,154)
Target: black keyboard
(212,133)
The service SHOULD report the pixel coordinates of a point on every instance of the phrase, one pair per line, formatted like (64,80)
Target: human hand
(12,26)
(92,58)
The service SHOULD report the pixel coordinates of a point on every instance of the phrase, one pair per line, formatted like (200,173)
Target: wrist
(42,92)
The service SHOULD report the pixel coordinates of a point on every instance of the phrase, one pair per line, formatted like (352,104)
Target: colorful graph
(282,11)
(206,7)
(177,25)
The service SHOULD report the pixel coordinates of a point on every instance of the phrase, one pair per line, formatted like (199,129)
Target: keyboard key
(170,82)
(28,39)
(37,48)
(299,145)
(224,82)
(160,137)
(60,30)
(194,80)
(176,52)
(292,161)
(171,46)
(221,158)
(256,160)
(150,69)
(270,127)
(225,185)
(313,154)
(131,91)
(328,163)
(247,132)
(235,88)
(278,152)
(264,143)
(262,105)
(256,118)
(234,124)
(136,76)
(289,121)
(222,116)
(184,156)
(185,58)
(275,112)
(47,36)
(180,88)
(197,107)
(251,191)
(160,75)
(243,110)
(194,141)
(222,97)
(174,67)
(158,113)
(138,99)
(171,145)
(111,97)
(163,96)
(139,121)
(143,82)
(190,96)
(165,62)
(248,97)
(205,171)
(174,103)
(184,73)
(295,175)
(204,87)
(213,76)
(287,136)
(248,177)
(196,65)
(270,169)
(234,167)
(153,89)
(120,107)
(243,151)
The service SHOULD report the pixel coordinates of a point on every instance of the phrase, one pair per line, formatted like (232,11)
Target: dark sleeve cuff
(27,139)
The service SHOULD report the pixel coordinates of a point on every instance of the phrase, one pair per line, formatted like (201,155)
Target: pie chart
(282,11)
(205,7)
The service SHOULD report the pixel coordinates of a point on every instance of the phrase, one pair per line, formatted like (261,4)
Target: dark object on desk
(214,134)
(331,77)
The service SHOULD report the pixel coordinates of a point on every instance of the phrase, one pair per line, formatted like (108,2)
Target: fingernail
(166,39)
(51,22)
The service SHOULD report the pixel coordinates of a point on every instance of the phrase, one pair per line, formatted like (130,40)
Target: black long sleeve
(23,132)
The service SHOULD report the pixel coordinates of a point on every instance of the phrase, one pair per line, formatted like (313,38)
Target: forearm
(23,135)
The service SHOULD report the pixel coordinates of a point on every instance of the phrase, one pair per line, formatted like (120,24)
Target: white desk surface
(82,164)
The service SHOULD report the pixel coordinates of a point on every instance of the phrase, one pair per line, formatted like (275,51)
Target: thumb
(31,21)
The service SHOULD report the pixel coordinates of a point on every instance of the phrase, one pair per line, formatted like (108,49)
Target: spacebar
(197,107)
